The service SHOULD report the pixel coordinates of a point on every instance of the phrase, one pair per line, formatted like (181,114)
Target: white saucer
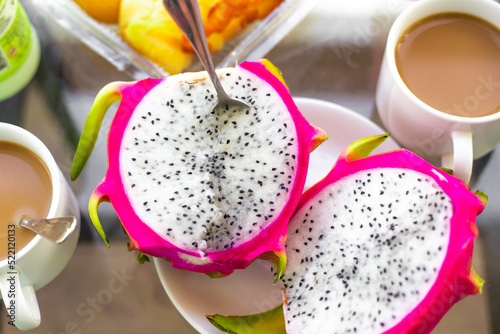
(251,290)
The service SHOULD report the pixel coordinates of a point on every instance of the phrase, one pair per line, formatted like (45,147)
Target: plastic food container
(253,43)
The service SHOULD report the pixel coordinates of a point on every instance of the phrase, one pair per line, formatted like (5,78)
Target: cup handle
(462,157)
(20,302)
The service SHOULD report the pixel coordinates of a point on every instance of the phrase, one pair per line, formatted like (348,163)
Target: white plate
(251,290)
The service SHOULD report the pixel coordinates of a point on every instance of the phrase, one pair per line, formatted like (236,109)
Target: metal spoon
(186,13)
(53,229)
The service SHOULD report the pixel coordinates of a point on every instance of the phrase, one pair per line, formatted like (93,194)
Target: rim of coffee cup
(425,8)
(19,135)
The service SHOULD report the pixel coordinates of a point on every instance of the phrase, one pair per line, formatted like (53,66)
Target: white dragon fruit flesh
(383,244)
(209,191)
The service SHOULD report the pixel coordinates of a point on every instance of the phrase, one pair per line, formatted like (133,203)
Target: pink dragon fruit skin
(309,238)
(268,244)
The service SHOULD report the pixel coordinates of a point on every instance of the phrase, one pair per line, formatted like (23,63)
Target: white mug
(417,126)
(40,261)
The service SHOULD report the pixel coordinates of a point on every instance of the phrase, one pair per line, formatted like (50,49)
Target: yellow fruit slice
(146,26)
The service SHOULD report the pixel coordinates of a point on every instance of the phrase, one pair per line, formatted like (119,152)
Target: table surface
(333,54)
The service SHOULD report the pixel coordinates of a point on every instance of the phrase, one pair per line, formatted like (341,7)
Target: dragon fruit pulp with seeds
(209,191)
(383,244)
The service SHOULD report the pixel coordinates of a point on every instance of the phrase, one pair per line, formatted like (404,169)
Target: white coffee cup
(40,261)
(417,126)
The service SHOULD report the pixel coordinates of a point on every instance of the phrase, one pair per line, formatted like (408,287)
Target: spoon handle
(186,13)
(53,229)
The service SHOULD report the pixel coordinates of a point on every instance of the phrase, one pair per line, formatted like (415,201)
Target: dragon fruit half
(209,191)
(383,244)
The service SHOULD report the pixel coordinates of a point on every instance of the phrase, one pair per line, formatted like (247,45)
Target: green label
(15,37)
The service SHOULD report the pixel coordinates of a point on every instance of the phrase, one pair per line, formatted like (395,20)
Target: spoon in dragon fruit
(53,229)
(186,14)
